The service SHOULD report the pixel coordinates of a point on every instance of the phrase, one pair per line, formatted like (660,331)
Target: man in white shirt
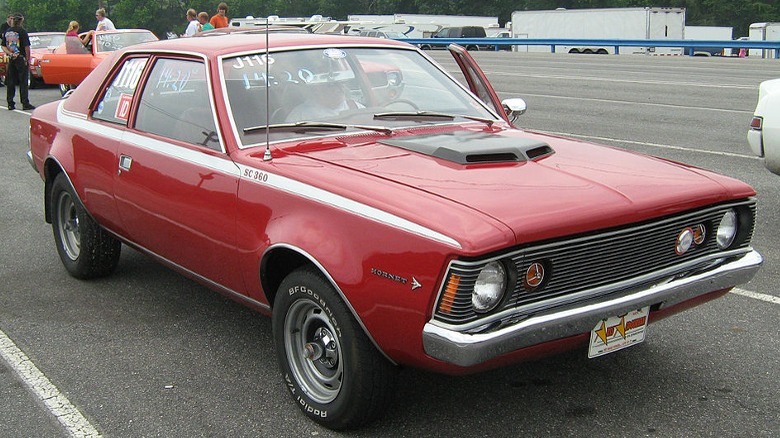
(193,25)
(104,23)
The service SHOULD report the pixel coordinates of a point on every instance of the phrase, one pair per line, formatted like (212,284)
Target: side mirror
(514,108)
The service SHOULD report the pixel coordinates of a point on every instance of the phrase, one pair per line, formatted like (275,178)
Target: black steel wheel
(333,372)
(86,249)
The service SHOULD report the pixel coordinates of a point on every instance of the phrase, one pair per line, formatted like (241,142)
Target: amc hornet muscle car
(384,213)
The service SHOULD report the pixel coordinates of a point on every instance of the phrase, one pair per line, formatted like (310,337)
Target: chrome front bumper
(465,349)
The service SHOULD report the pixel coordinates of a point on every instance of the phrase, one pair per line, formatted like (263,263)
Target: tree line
(163,16)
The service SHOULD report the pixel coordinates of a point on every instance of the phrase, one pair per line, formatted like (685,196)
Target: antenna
(267,155)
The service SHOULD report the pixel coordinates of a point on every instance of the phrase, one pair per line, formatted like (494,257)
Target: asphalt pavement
(147,352)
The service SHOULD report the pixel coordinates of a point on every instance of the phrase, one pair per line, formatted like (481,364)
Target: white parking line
(602,79)
(756,296)
(623,102)
(28,112)
(68,415)
(657,145)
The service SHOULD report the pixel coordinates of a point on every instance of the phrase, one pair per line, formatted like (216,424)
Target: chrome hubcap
(68,226)
(313,351)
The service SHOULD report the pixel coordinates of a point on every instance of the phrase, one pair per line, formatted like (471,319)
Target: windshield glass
(44,40)
(339,85)
(109,42)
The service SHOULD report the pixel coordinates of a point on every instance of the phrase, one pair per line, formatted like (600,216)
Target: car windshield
(109,42)
(354,87)
(41,41)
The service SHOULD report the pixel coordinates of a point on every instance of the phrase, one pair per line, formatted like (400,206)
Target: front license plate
(618,332)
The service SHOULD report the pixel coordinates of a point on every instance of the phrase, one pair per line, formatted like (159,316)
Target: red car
(72,61)
(383,214)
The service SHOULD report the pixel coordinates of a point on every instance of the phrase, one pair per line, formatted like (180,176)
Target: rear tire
(333,372)
(86,249)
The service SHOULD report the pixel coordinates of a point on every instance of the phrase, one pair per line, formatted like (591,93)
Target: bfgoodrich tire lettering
(331,369)
(86,250)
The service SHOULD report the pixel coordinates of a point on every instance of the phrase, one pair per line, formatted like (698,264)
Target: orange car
(72,61)
(40,43)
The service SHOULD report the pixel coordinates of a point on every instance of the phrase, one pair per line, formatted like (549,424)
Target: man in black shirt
(3,28)
(16,44)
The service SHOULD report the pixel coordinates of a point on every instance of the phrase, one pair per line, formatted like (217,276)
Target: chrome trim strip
(230,293)
(658,276)
(31,161)
(466,349)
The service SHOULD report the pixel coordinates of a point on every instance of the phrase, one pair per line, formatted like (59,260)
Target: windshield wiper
(306,126)
(410,115)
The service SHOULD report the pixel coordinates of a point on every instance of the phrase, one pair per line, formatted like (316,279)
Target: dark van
(459,32)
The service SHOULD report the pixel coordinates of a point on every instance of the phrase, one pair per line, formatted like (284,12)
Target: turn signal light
(445,306)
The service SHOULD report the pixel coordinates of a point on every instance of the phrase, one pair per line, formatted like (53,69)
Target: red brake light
(756,123)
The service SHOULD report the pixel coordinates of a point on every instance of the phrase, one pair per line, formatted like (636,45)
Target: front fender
(388,277)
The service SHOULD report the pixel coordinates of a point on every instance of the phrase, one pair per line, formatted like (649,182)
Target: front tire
(333,372)
(85,249)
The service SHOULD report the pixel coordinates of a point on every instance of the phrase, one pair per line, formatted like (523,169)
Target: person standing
(3,28)
(16,44)
(203,19)
(220,19)
(193,25)
(104,23)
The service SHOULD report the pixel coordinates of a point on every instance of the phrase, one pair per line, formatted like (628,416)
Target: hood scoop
(474,147)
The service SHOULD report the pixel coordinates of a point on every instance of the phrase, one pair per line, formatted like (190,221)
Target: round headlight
(489,288)
(727,229)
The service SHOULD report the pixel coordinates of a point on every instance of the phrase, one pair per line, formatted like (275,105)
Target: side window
(175,103)
(114,105)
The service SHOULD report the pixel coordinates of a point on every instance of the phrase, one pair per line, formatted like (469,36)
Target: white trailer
(763,32)
(418,25)
(608,23)
(709,33)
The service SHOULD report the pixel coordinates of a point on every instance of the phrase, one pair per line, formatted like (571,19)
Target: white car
(764,133)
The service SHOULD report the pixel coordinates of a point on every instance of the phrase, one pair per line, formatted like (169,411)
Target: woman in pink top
(73,31)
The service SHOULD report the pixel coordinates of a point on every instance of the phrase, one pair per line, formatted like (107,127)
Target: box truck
(708,33)
(608,23)
(763,32)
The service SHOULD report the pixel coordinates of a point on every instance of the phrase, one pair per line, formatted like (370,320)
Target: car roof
(250,30)
(236,43)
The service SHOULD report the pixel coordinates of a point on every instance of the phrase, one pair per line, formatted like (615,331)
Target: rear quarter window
(114,104)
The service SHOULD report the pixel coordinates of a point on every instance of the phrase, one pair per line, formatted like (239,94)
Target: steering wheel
(403,102)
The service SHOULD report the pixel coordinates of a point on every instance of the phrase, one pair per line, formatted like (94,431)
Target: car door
(175,185)
(476,79)
(95,148)
(70,63)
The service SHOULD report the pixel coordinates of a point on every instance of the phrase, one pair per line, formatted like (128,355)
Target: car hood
(552,187)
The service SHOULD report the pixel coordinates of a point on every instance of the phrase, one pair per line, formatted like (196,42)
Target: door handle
(125,162)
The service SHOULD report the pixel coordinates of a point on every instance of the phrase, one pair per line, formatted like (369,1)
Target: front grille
(582,267)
